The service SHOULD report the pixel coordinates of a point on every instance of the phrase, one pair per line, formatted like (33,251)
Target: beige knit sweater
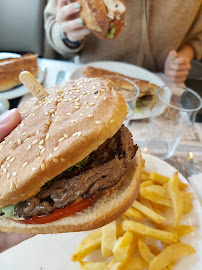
(154,27)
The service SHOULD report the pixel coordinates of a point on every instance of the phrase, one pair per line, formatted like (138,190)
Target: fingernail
(77,6)
(7,117)
(172,58)
(80,22)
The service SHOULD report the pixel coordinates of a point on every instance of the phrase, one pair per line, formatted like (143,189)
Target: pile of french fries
(143,238)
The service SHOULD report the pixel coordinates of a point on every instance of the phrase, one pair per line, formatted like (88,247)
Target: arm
(59,16)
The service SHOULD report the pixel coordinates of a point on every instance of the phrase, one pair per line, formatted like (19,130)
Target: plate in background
(21,90)
(128,70)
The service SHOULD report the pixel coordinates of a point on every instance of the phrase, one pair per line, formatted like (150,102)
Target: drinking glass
(171,116)
(128,89)
(4,105)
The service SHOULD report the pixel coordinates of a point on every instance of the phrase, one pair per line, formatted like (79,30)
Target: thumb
(8,121)
(172,55)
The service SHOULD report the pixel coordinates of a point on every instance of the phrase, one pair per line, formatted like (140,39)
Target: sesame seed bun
(110,205)
(69,124)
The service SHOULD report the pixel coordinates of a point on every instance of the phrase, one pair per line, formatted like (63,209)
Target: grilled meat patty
(103,169)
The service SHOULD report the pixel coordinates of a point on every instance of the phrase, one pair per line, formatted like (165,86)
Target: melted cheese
(115,8)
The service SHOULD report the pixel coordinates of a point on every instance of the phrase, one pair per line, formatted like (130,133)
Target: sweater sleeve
(52,30)
(194,36)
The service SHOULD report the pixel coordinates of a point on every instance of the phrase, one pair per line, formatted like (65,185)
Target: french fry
(144,251)
(154,249)
(108,239)
(89,244)
(151,214)
(146,183)
(119,230)
(158,190)
(137,263)
(159,178)
(159,208)
(145,202)
(170,255)
(144,177)
(167,237)
(180,229)
(144,192)
(131,212)
(187,202)
(122,247)
(92,265)
(176,198)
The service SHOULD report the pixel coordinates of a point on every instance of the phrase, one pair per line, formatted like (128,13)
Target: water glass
(171,116)
(128,89)
(4,105)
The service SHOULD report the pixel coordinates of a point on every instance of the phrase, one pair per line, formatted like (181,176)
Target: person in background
(161,36)
(8,121)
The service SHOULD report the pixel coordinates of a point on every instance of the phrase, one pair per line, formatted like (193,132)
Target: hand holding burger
(103,17)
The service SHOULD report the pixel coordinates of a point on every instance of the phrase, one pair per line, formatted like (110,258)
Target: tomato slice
(59,213)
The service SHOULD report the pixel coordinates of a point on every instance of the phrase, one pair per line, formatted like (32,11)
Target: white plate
(126,69)
(4,55)
(51,252)
(21,90)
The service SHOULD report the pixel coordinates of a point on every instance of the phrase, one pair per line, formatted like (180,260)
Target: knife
(191,168)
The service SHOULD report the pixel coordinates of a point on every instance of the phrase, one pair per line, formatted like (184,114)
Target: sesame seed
(75,134)
(85,102)
(111,121)
(8,158)
(52,111)
(69,113)
(62,159)
(8,165)
(90,115)
(14,173)
(48,136)
(95,97)
(55,160)
(81,114)
(43,150)
(61,139)
(84,93)
(50,156)
(19,141)
(98,122)
(24,133)
(48,122)
(52,115)
(105,98)
(66,136)
(78,91)
(94,87)
(43,166)
(35,141)
(29,147)
(25,164)
(8,175)
(79,133)
(12,159)
(41,142)
(33,169)
(88,94)
(72,121)
(41,147)
(22,125)
(46,113)
(92,104)
(77,107)
(26,139)
(56,148)
(87,107)
(4,170)
(37,132)
(12,186)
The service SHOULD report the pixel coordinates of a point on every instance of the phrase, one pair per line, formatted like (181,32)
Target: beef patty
(102,170)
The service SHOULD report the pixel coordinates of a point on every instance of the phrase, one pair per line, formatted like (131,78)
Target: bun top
(56,133)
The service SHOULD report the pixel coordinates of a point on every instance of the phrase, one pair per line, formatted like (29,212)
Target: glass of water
(4,105)
(128,89)
(171,116)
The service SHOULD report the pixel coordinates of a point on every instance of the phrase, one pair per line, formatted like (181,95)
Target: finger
(181,61)
(178,80)
(177,74)
(176,67)
(78,34)
(61,3)
(172,55)
(8,121)
(72,25)
(67,11)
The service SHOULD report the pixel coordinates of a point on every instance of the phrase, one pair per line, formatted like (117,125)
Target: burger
(104,18)
(148,91)
(70,165)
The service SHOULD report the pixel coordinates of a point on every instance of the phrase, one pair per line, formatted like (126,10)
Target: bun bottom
(110,205)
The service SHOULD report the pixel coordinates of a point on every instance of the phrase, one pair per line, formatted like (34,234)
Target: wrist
(69,43)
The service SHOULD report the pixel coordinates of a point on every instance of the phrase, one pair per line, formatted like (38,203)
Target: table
(192,141)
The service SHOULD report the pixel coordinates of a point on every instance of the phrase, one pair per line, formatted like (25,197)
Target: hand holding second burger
(69,21)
